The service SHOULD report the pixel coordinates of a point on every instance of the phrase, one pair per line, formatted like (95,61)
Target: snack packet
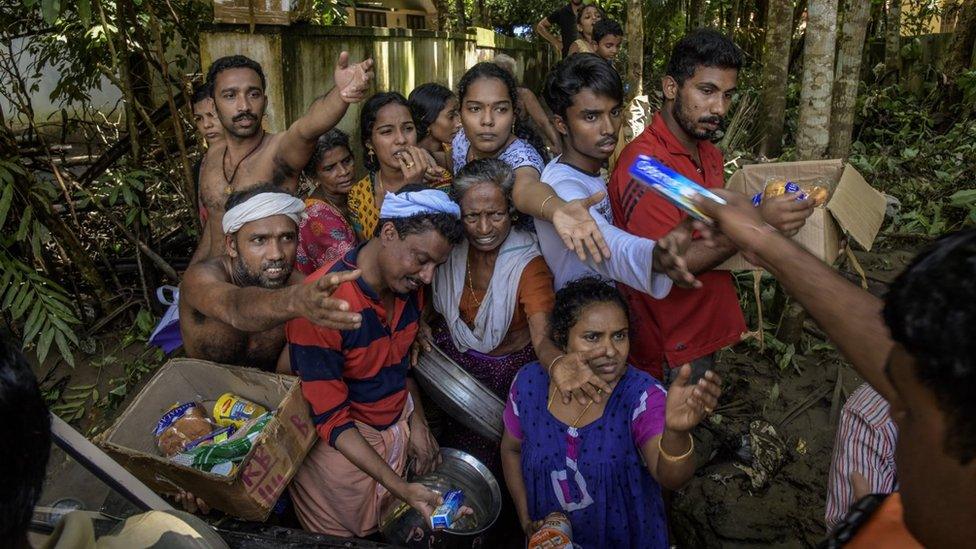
(217,457)
(181,426)
(231,409)
(443,516)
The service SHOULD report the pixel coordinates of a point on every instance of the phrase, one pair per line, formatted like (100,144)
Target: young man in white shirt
(586,96)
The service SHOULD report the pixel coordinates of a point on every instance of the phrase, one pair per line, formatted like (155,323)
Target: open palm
(689,403)
(353,80)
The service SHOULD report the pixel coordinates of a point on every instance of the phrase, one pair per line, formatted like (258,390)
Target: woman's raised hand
(689,403)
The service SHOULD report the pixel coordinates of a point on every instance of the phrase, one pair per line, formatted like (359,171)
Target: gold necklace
(471,284)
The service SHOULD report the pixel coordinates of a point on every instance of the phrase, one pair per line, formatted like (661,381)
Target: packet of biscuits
(182,427)
(818,190)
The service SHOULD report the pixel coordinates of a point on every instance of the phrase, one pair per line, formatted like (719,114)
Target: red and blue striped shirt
(355,375)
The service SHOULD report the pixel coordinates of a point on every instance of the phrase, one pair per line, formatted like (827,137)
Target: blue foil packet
(443,516)
(676,188)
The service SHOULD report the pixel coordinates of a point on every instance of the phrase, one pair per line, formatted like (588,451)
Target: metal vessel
(460,394)
(404,526)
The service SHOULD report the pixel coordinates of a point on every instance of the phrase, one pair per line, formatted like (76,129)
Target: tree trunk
(695,8)
(776,59)
(817,88)
(462,23)
(963,41)
(850,50)
(893,37)
(442,11)
(635,41)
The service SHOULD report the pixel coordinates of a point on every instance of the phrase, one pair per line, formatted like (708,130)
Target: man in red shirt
(689,325)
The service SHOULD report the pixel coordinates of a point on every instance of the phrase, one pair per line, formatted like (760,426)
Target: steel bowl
(404,526)
(460,394)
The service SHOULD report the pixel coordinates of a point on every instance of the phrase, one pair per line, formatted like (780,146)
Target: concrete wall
(299,60)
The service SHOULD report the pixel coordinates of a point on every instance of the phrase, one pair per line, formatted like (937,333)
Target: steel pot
(460,394)
(404,526)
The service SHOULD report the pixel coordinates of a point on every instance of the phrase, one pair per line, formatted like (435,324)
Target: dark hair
(930,310)
(446,224)
(326,142)
(606,27)
(579,13)
(702,48)
(576,296)
(486,69)
(239,197)
(26,435)
(426,102)
(233,62)
(367,119)
(201,91)
(578,72)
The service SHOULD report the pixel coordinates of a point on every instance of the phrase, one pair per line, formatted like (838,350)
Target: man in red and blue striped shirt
(364,403)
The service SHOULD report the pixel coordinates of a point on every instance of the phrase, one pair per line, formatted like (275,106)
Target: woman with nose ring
(494,295)
(388,131)
(325,235)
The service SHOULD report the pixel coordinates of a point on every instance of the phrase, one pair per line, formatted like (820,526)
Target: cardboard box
(252,491)
(854,208)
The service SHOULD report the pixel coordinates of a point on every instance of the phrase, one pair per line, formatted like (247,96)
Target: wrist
(676,445)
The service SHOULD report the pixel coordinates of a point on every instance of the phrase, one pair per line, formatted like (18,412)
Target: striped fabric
(355,375)
(865,442)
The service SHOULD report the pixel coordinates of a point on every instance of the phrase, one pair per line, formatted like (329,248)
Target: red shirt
(687,324)
(356,374)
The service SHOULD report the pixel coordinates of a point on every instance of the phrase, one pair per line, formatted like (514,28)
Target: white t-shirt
(630,255)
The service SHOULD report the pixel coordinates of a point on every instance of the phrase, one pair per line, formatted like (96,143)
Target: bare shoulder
(208,271)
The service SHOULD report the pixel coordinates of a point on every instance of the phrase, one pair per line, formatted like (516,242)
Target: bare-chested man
(209,132)
(233,307)
(249,154)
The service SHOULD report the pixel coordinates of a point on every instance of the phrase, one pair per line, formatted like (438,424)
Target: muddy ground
(721,506)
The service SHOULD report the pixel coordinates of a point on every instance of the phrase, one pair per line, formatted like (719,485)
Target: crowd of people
(499,233)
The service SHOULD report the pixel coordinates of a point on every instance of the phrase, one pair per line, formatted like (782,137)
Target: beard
(243,276)
(688,125)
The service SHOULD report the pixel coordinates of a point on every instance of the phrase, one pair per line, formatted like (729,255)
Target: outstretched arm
(254,309)
(850,316)
(542,27)
(297,143)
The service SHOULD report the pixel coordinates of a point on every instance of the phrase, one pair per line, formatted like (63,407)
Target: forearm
(511,457)
(418,406)
(850,316)
(701,258)
(354,447)
(322,116)
(544,348)
(548,36)
(253,309)
(529,195)
(672,475)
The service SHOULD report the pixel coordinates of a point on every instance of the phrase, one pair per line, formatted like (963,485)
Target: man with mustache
(689,325)
(365,404)
(586,97)
(251,155)
(233,307)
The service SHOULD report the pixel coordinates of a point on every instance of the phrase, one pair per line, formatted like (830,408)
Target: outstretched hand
(318,305)
(573,377)
(739,221)
(785,213)
(578,230)
(688,404)
(669,253)
(352,80)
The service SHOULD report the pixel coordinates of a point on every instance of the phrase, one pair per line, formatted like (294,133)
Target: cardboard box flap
(858,208)
(752,177)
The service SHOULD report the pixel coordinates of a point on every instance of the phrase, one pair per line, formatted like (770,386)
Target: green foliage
(905,149)
(27,297)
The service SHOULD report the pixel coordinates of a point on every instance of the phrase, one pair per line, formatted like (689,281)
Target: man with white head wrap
(365,406)
(233,307)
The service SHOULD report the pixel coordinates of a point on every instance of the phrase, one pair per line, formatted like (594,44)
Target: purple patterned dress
(594,474)
(517,154)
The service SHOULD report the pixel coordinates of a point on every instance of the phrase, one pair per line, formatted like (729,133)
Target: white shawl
(496,310)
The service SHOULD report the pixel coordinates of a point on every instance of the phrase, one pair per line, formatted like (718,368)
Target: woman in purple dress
(603,463)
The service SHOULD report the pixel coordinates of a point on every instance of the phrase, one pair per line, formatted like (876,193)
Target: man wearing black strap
(565,19)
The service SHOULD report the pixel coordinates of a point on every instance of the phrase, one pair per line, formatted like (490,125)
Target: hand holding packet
(676,188)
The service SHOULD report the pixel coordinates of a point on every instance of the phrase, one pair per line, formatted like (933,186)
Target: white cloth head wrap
(418,202)
(260,206)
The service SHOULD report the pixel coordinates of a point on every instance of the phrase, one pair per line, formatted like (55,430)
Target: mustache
(277,264)
(711,120)
(607,141)
(244,116)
